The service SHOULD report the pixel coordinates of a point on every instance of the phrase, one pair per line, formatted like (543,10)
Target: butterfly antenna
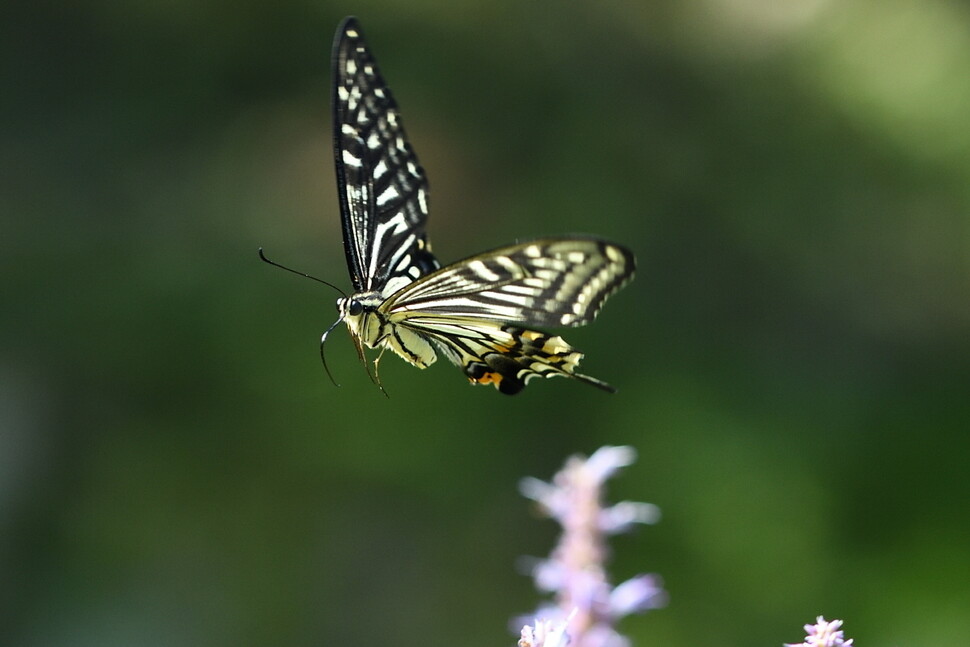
(303,274)
(323,340)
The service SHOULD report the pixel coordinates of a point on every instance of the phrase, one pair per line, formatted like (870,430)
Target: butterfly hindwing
(382,187)
(504,355)
(510,366)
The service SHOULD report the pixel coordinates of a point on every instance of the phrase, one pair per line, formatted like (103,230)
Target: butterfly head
(359,312)
(350,307)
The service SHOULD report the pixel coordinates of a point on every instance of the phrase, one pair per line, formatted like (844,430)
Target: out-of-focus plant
(585,607)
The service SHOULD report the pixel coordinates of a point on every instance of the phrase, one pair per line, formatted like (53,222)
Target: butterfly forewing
(383,190)
(557,282)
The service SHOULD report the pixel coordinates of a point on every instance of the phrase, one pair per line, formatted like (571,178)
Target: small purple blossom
(823,634)
(545,633)
(638,594)
(575,571)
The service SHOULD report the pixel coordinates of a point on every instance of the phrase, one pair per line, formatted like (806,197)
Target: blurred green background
(793,359)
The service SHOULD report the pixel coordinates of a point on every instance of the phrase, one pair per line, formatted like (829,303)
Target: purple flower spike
(575,572)
(823,634)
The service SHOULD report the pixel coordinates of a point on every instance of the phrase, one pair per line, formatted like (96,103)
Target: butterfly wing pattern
(472,311)
(383,190)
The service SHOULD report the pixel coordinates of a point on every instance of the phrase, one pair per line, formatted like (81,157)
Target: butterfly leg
(376,377)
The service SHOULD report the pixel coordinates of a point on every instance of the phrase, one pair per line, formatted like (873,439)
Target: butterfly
(477,312)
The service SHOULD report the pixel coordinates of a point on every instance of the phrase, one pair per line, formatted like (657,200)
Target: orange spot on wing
(488,378)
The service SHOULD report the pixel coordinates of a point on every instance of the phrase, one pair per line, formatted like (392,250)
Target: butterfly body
(477,312)
(372,328)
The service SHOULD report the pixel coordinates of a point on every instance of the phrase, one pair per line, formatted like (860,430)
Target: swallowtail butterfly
(469,311)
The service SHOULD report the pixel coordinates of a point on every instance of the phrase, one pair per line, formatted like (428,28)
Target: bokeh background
(793,360)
